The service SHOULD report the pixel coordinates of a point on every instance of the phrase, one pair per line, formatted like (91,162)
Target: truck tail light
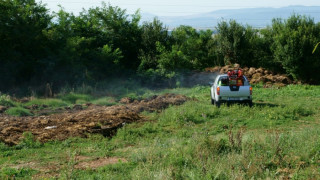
(239,73)
(218,90)
(250,90)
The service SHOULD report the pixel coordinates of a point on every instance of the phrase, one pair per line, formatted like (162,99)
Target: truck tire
(250,103)
(212,100)
(217,103)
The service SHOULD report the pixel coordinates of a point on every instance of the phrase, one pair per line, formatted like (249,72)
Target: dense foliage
(37,47)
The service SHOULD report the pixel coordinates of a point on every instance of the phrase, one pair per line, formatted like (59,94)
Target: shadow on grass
(262,104)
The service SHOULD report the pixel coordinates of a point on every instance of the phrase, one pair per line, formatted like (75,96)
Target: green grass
(18,111)
(104,101)
(6,100)
(74,97)
(278,137)
(52,103)
(8,173)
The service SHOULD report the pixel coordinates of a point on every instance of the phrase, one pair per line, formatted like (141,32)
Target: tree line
(39,47)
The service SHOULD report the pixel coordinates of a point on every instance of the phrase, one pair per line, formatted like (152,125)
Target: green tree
(293,43)
(264,54)
(153,33)
(195,46)
(245,45)
(90,43)
(121,31)
(23,43)
(231,39)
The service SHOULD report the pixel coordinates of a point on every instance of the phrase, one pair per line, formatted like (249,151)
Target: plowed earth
(94,119)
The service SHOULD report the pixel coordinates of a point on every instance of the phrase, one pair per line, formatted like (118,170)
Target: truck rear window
(224,81)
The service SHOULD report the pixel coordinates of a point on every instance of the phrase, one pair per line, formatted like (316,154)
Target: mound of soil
(94,119)
(256,75)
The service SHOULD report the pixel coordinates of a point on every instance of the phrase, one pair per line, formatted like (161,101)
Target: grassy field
(278,138)
(108,94)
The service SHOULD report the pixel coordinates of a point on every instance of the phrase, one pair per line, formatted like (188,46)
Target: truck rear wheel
(212,100)
(217,103)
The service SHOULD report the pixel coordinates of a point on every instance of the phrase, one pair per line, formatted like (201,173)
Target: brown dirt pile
(94,119)
(256,75)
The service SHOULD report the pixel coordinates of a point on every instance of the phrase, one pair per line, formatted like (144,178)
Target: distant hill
(256,17)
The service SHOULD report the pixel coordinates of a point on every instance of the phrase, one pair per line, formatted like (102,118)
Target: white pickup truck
(222,92)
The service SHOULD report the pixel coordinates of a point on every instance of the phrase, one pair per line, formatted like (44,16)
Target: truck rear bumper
(235,99)
(245,102)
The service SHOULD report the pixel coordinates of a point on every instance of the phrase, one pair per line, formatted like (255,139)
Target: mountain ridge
(256,17)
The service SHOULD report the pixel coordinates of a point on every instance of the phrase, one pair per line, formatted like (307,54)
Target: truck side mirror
(211,83)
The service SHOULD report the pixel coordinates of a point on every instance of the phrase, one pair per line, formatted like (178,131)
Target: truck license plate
(233,99)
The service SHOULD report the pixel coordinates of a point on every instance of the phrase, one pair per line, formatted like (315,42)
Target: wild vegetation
(102,55)
(39,49)
(277,138)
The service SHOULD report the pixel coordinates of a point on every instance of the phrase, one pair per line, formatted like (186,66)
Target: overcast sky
(174,7)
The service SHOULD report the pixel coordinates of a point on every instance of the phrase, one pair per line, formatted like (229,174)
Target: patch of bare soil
(94,119)
(256,75)
(50,170)
(100,162)
(50,167)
